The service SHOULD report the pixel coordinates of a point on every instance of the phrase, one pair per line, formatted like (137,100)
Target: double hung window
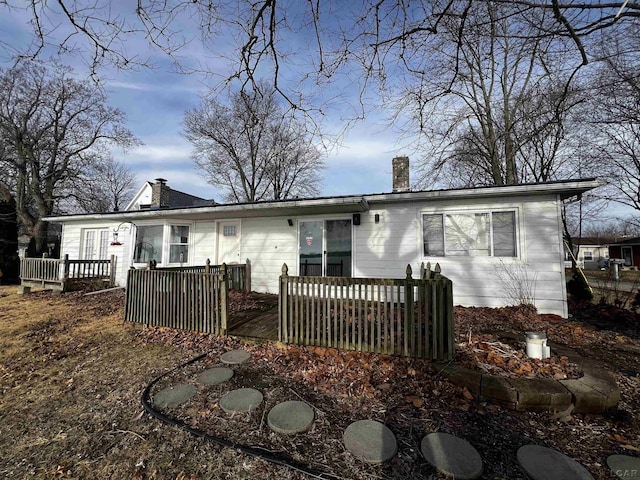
(179,244)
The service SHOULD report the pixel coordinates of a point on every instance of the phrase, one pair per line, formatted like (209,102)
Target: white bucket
(537,345)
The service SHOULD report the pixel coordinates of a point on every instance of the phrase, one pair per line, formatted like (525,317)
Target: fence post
(207,266)
(65,271)
(224,293)
(409,330)
(112,271)
(247,276)
(283,304)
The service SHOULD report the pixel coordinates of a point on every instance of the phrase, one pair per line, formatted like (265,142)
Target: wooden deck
(252,324)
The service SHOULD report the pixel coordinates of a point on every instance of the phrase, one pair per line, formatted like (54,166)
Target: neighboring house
(590,252)
(627,250)
(482,238)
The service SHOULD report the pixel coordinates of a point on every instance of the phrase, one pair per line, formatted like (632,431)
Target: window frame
(100,243)
(166,241)
(584,255)
(489,211)
(187,243)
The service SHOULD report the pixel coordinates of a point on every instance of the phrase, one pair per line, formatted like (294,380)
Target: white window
(588,255)
(229,231)
(179,244)
(478,234)
(96,243)
(148,245)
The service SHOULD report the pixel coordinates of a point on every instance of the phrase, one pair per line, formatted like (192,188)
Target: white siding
(204,243)
(268,243)
(386,248)
(72,237)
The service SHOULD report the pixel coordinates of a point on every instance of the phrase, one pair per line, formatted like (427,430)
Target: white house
(485,239)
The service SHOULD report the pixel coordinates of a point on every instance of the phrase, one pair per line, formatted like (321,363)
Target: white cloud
(161,153)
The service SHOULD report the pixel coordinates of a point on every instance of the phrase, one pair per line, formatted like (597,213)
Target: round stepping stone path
(370,441)
(235,357)
(542,463)
(174,396)
(290,417)
(214,376)
(241,401)
(624,466)
(452,455)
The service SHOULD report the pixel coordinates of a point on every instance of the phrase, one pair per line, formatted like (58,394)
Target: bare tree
(105,186)
(615,118)
(252,148)
(52,127)
(384,36)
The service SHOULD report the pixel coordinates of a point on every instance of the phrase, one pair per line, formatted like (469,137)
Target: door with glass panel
(325,248)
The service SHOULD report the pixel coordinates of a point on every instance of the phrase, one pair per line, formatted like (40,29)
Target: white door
(228,242)
(95,244)
(628,256)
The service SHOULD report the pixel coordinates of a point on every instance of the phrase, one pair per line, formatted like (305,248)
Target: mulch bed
(413,399)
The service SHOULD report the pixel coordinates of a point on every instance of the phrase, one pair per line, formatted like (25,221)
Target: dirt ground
(71,376)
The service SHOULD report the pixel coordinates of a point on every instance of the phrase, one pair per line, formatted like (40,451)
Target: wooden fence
(60,273)
(411,317)
(238,275)
(195,301)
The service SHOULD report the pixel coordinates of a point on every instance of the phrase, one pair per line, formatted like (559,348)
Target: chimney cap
(162,181)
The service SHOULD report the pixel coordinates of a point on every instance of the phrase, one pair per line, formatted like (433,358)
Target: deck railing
(59,273)
(238,275)
(410,317)
(193,301)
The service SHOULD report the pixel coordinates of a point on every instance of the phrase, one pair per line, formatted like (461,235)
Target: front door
(627,256)
(228,242)
(325,248)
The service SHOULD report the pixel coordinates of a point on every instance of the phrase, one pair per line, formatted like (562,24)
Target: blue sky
(155,100)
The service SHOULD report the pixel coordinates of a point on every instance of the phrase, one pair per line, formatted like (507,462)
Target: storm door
(325,248)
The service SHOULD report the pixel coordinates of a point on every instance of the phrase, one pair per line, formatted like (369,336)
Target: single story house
(484,239)
(591,252)
(627,250)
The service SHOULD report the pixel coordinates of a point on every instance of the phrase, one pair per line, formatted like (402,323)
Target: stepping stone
(174,396)
(235,357)
(452,455)
(542,463)
(214,376)
(624,466)
(290,417)
(241,401)
(370,441)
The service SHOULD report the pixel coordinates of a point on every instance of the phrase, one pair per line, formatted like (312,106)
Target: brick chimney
(400,174)
(160,193)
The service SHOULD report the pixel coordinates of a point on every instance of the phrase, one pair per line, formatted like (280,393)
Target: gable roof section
(181,199)
(177,199)
(346,203)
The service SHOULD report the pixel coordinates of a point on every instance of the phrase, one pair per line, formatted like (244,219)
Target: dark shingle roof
(181,199)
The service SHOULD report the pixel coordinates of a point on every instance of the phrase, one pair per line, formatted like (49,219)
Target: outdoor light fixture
(356,219)
(290,222)
(377,218)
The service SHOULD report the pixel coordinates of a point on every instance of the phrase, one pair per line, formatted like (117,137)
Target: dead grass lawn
(71,376)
